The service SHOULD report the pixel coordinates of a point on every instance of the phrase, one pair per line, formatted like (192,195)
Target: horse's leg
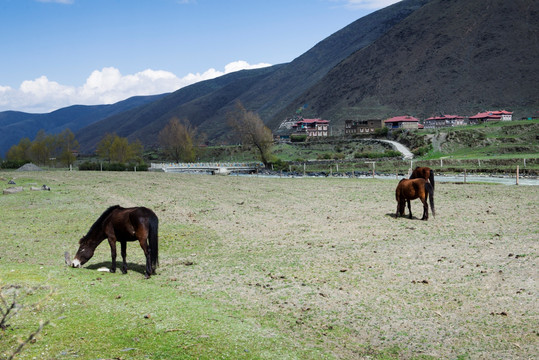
(409,207)
(144,246)
(425,208)
(112,243)
(142,236)
(124,256)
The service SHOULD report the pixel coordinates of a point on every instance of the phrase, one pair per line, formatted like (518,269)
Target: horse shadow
(130,267)
(407,217)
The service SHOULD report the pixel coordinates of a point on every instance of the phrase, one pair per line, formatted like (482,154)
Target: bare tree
(178,138)
(251,130)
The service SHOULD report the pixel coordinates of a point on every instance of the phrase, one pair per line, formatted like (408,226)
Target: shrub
(12,164)
(298,138)
(420,151)
(382,132)
(93,166)
(279,164)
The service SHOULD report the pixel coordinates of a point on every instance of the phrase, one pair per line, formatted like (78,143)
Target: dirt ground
(327,261)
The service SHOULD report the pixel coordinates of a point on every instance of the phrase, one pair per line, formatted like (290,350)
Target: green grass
(97,315)
(257,268)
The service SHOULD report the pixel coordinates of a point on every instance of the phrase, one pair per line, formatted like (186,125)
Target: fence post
(465,176)
(517,173)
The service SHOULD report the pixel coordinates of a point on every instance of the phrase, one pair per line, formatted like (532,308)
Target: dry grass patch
(321,262)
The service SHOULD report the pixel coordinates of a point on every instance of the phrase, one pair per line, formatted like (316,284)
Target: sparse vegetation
(258,268)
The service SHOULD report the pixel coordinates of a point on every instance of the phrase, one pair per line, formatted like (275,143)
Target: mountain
(196,102)
(266,91)
(15,125)
(448,57)
(416,57)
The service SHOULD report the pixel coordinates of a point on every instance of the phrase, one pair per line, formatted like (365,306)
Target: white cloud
(105,86)
(367,4)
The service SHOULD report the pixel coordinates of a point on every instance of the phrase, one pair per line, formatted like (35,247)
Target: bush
(93,166)
(420,151)
(298,138)
(382,132)
(12,164)
(279,165)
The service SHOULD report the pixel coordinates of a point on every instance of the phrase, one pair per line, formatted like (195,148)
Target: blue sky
(56,53)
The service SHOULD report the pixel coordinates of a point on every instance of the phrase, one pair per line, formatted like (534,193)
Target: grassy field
(260,268)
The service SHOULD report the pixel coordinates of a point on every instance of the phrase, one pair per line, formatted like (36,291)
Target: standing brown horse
(123,225)
(411,189)
(424,173)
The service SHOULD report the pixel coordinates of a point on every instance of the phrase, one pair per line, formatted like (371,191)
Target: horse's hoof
(112,270)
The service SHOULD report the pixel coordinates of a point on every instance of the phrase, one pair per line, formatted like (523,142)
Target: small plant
(8,309)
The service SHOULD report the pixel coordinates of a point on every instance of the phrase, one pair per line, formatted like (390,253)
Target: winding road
(406,153)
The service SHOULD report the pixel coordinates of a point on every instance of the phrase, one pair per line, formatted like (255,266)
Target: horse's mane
(100,220)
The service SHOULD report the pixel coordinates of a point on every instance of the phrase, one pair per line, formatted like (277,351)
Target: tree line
(179,140)
(46,149)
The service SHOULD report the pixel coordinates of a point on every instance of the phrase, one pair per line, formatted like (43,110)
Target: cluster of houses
(321,128)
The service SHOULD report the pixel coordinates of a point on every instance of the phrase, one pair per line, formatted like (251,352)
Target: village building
(499,115)
(402,122)
(361,126)
(312,127)
(443,121)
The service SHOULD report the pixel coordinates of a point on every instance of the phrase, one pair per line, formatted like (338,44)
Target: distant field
(260,268)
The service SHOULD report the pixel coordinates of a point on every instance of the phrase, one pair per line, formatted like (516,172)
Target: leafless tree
(251,130)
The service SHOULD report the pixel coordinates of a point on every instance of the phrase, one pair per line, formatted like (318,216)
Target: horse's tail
(430,190)
(431,179)
(153,237)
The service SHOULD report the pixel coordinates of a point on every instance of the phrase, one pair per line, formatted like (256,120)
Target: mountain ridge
(415,57)
(275,88)
(484,61)
(16,125)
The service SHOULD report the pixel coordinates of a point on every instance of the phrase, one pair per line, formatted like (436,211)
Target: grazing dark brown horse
(423,173)
(411,189)
(123,225)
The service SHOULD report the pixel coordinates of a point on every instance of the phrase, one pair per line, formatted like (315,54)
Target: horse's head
(84,253)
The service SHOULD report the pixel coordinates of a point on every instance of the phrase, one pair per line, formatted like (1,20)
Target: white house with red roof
(499,115)
(402,122)
(312,127)
(443,121)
